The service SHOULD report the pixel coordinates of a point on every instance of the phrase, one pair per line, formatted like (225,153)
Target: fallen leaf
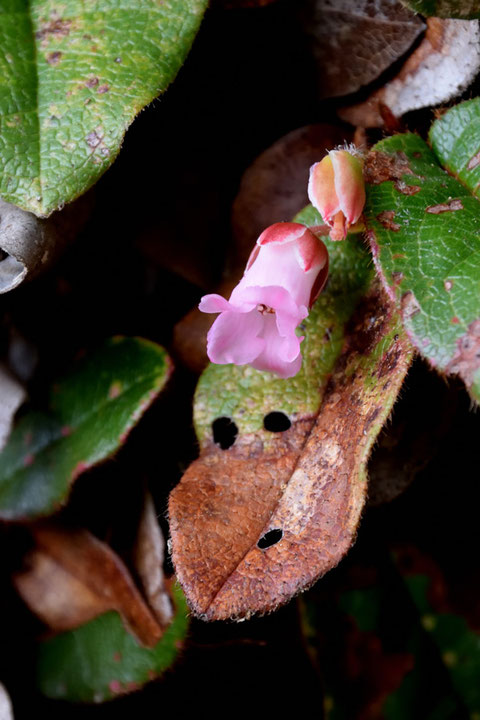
(73,577)
(149,559)
(440,68)
(29,245)
(6,711)
(354,42)
(274,500)
(12,395)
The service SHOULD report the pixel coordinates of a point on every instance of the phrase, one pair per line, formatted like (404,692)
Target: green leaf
(72,78)
(424,230)
(258,518)
(457,643)
(463,9)
(91,412)
(101,660)
(373,648)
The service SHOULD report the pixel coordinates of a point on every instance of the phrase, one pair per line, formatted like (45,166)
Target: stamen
(264,309)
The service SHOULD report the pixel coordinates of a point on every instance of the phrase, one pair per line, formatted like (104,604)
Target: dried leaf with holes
(274,500)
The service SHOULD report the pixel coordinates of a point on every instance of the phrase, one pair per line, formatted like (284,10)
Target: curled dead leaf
(441,67)
(354,42)
(12,395)
(28,244)
(72,577)
(149,559)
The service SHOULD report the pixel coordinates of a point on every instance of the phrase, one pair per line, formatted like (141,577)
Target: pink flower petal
(349,184)
(216,303)
(276,355)
(311,252)
(322,190)
(280,233)
(234,338)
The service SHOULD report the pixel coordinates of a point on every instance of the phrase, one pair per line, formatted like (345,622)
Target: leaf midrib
(17,468)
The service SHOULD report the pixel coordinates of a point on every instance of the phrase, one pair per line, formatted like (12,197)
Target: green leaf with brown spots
(463,9)
(102,660)
(265,512)
(423,217)
(72,78)
(91,411)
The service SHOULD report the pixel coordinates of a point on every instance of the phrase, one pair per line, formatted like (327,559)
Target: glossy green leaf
(424,230)
(101,660)
(463,9)
(91,412)
(72,78)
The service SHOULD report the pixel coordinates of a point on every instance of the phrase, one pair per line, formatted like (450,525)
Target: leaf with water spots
(72,78)
(423,217)
(274,500)
(91,411)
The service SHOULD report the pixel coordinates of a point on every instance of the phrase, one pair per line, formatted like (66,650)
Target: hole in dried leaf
(272,537)
(276,422)
(224,432)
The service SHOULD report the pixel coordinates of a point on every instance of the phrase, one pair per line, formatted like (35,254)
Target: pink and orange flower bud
(337,190)
(287,270)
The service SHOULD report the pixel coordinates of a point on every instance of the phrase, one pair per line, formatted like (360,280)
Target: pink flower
(337,190)
(285,273)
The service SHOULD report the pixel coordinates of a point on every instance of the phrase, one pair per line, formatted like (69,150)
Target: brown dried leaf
(443,65)
(253,525)
(12,395)
(29,245)
(74,577)
(6,711)
(149,559)
(354,42)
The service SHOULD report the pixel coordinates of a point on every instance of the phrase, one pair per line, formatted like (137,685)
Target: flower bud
(285,273)
(337,190)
